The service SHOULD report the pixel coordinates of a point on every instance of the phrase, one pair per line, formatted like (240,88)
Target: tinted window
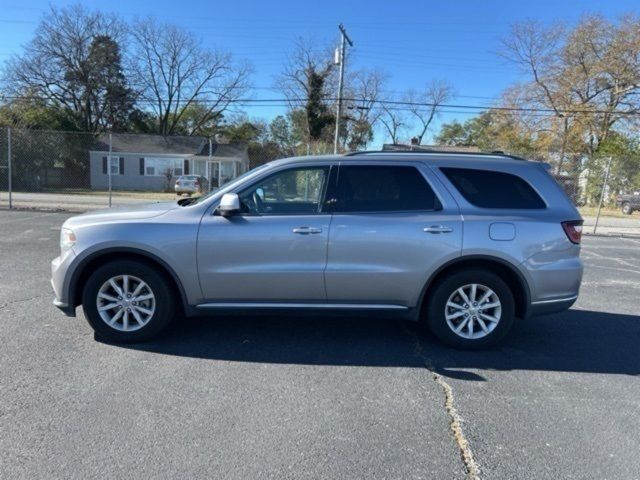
(487,189)
(382,189)
(295,191)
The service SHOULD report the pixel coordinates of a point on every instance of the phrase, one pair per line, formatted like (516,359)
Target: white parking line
(627,239)
(614,259)
(615,269)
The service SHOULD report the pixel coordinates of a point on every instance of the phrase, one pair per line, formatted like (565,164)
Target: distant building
(397,147)
(152,162)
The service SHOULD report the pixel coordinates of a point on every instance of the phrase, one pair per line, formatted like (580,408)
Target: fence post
(604,187)
(109,169)
(209,186)
(9,162)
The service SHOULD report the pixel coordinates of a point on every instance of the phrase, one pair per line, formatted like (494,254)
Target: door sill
(313,306)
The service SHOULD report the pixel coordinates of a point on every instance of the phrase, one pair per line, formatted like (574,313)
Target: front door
(276,250)
(389,230)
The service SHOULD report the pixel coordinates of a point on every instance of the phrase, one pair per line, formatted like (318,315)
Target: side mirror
(229,204)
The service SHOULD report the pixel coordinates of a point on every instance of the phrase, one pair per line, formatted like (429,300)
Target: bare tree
(363,91)
(174,72)
(307,81)
(73,63)
(589,76)
(424,105)
(536,48)
(393,120)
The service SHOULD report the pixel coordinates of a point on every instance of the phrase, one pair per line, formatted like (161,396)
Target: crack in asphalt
(455,422)
(21,300)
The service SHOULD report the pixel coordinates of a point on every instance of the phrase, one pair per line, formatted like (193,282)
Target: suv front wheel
(471,309)
(127,301)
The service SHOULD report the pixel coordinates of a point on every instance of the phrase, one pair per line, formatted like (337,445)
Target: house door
(214,175)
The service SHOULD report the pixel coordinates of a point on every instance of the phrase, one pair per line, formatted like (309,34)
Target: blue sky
(414,41)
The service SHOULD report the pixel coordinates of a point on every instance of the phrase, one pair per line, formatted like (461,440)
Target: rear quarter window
(492,189)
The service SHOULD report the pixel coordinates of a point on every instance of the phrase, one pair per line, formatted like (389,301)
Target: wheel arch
(101,257)
(509,272)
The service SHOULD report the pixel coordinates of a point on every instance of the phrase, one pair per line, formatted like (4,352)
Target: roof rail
(439,152)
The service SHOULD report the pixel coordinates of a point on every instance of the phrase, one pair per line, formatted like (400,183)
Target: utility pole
(9,168)
(340,58)
(604,188)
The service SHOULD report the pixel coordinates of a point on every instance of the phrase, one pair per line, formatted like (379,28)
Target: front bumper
(60,281)
(65,308)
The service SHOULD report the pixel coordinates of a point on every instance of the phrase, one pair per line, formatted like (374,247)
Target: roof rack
(439,152)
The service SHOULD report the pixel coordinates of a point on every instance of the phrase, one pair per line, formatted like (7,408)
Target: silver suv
(464,243)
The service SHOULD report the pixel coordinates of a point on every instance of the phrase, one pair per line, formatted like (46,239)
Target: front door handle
(438,229)
(306,230)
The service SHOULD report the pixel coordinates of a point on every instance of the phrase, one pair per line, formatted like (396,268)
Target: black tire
(157,282)
(439,295)
(626,208)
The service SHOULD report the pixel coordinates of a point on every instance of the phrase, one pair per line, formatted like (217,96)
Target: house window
(116,165)
(161,166)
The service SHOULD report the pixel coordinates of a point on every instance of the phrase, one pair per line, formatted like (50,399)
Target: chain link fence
(72,171)
(606,190)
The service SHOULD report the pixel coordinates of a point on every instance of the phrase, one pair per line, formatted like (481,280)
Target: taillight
(573,229)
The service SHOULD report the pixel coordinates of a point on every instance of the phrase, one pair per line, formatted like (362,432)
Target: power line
(287,101)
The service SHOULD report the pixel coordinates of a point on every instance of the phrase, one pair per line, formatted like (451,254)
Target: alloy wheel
(126,303)
(473,311)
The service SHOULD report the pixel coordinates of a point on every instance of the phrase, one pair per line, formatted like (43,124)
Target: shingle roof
(224,150)
(157,144)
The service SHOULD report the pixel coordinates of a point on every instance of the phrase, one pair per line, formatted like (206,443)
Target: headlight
(67,239)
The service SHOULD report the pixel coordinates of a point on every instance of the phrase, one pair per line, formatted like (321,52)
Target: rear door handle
(438,229)
(306,230)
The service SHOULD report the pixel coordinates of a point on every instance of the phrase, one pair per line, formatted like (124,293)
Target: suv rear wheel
(127,301)
(626,208)
(471,309)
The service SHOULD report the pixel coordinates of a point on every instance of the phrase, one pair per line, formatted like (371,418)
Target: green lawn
(606,212)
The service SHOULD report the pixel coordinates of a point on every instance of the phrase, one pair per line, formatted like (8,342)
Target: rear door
(393,225)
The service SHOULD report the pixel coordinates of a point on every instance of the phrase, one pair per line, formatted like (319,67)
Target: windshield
(231,185)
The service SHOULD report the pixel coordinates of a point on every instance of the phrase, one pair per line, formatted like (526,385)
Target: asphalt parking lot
(315,397)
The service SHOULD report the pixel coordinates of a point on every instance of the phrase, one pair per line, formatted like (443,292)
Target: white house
(152,162)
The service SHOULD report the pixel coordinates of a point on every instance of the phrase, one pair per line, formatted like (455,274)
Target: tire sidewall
(626,209)
(440,294)
(165,305)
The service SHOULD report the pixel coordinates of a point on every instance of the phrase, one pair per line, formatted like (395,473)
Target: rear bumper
(545,307)
(555,277)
